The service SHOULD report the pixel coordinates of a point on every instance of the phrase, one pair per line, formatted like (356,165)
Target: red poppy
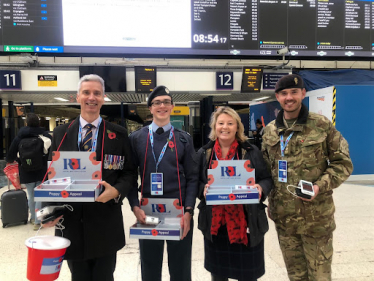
(250,181)
(144,202)
(93,159)
(154,232)
(171,144)
(177,205)
(247,166)
(51,173)
(214,164)
(232,197)
(64,194)
(112,135)
(231,171)
(96,175)
(74,163)
(210,179)
(55,155)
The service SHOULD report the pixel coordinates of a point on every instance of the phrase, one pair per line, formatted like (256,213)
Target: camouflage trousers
(306,258)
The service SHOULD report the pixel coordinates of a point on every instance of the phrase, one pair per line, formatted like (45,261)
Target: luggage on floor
(14,208)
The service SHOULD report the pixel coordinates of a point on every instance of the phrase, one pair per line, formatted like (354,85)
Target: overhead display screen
(145,79)
(114,76)
(251,79)
(326,28)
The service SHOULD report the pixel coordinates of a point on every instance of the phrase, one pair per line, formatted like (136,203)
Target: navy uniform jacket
(96,229)
(188,167)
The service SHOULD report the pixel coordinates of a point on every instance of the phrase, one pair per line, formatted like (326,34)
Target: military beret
(158,91)
(288,82)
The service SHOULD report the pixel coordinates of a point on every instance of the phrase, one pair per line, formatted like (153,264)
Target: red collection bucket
(45,256)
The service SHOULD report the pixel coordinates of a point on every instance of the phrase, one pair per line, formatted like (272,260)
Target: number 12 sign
(10,80)
(224,80)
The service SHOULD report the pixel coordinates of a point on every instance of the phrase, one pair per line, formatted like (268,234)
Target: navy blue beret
(288,82)
(158,91)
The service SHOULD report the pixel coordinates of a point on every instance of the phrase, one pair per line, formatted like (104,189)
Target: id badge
(282,170)
(157,184)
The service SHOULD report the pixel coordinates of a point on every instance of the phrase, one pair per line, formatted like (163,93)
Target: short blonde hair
(240,137)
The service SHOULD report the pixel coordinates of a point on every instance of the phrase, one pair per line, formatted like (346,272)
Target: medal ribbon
(163,149)
(284,145)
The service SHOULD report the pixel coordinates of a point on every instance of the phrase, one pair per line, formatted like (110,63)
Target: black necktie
(159,131)
(87,141)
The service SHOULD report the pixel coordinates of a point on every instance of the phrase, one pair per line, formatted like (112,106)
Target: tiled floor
(353,245)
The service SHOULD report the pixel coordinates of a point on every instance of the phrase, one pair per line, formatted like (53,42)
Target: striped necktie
(87,140)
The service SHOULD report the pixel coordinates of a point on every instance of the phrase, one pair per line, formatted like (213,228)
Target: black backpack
(31,153)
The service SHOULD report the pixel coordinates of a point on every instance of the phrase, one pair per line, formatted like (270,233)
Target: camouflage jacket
(316,152)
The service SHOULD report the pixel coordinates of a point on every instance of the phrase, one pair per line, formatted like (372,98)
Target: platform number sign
(224,80)
(10,80)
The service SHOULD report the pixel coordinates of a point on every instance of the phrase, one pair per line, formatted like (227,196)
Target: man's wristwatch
(189,211)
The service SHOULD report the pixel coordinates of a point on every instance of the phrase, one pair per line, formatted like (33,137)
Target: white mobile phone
(306,187)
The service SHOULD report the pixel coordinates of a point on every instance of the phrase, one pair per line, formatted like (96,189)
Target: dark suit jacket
(96,229)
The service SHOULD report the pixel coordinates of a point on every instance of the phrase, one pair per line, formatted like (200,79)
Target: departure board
(309,28)
(251,79)
(145,79)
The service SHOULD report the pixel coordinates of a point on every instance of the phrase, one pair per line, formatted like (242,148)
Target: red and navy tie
(87,140)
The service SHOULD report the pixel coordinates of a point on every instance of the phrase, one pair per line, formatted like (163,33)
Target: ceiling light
(61,99)
(107,99)
(48,118)
(262,98)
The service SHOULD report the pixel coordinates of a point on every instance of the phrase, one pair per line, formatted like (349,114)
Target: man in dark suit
(96,229)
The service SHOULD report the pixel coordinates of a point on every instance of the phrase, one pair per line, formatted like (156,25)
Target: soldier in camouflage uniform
(318,153)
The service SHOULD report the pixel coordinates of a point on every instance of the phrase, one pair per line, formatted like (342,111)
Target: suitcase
(14,207)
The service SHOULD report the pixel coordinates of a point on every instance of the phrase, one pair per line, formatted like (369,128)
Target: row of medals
(114,162)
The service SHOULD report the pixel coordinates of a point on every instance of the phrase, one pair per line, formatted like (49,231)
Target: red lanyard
(145,161)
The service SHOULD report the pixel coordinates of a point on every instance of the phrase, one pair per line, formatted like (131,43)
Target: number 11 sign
(10,80)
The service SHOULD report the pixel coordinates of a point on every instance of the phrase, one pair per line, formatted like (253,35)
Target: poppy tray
(67,190)
(168,229)
(238,194)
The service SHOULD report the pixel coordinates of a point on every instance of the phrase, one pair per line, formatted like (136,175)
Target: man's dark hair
(32,120)
(258,121)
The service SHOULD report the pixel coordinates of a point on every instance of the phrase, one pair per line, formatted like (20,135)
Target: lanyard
(94,140)
(284,145)
(163,149)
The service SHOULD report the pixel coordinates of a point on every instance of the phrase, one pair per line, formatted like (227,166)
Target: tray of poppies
(168,211)
(231,182)
(67,190)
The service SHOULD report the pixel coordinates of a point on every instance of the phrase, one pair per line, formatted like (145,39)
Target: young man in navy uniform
(151,144)
(96,229)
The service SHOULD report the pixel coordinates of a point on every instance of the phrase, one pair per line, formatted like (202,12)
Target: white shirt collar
(84,122)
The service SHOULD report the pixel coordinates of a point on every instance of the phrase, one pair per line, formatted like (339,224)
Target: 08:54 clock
(208,38)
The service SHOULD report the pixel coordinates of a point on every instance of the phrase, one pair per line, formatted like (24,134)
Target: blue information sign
(269,80)
(10,80)
(224,80)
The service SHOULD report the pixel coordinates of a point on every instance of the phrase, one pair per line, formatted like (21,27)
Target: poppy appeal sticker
(176,204)
(247,166)
(64,194)
(93,159)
